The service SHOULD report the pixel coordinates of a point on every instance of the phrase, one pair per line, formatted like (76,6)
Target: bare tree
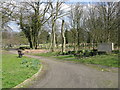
(75,19)
(108,13)
(56,13)
(102,23)
(63,37)
(7,9)
(36,20)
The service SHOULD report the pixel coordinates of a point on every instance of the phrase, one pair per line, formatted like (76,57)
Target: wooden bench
(20,54)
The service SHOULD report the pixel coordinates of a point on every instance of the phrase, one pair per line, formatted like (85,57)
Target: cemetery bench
(20,54)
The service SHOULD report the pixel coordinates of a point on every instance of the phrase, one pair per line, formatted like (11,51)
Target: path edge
(25,82)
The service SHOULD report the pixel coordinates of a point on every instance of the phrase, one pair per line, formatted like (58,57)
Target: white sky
(14,26)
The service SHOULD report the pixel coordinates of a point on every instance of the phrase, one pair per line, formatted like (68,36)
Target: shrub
(95,50)
(101,53)
(79,51)
(115,51)
(58,53)
(77,55)
(71,52)
(64,53)
(23,48)
(86,53)
(83,51)
(93,53)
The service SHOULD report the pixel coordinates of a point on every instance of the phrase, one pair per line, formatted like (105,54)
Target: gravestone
(108,47)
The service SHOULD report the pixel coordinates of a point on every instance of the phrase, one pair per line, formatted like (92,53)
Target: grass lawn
(16,70)
(110,60)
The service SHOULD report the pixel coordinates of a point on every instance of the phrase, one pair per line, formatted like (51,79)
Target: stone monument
(108,47)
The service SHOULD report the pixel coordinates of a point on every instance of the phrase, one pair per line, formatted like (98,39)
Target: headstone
(108,47)
(112,46)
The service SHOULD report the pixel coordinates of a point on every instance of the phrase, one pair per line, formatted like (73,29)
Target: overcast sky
(14,26)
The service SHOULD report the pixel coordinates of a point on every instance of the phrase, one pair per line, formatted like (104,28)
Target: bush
(83,51)
(87,53)
(71,52)
(92,53)
(23,48)
(94,50)
(78,55)
(60,53)
(115,51)
(101,53)
(79,51)
(64,53)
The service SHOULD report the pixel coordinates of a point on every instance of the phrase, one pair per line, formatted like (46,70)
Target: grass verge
(110,60)
(15,70)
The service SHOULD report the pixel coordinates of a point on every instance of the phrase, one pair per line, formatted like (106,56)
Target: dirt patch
(35,51)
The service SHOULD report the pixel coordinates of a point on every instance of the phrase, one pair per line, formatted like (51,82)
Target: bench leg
(20,56)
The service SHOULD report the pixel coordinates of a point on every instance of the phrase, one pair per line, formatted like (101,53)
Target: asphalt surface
(70,75)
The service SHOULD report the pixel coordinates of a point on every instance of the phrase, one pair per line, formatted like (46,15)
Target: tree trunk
(30,42)
(78,35)
(53,36)
(78,42)
(63,37)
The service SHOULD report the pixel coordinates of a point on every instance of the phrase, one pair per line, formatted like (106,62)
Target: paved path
(71,75)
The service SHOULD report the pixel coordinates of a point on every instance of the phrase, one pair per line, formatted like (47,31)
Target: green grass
(16,70)
(106,60)
(110,60)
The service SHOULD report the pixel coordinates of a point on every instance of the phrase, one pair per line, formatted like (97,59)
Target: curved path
(71,75)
